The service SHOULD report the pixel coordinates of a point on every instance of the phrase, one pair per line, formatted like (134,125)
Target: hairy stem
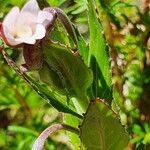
(39,143)
(67,24)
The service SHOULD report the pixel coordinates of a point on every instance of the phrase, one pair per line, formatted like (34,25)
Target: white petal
(40,31)
(27,40)
(10,39)
(44,18)
(26,18)
(24,31)
(11,17)
(32,7)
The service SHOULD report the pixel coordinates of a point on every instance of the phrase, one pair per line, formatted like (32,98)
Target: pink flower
(26,25)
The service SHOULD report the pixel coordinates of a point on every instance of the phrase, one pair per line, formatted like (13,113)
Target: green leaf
(54,99)
(74,122)
(80,7)
(104,10)
(99,56)
(22,130)
(66,73)
(101,129)
(82,47)
(56,2)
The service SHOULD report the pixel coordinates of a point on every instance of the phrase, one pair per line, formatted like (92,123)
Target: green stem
(70,128)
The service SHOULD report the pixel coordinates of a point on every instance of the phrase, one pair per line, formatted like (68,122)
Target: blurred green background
(126,23)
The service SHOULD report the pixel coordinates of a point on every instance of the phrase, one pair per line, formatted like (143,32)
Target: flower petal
(27,40)
(26,18)
(39,32)
(44,17)
(11,18)
(1,30)
(9,24)
(9,38)
(32,7)
(24,31)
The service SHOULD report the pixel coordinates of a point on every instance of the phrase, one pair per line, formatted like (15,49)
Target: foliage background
(23,114)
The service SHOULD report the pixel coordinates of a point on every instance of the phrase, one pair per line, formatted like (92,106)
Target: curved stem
(39,143)
(67,24)
(58,13)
